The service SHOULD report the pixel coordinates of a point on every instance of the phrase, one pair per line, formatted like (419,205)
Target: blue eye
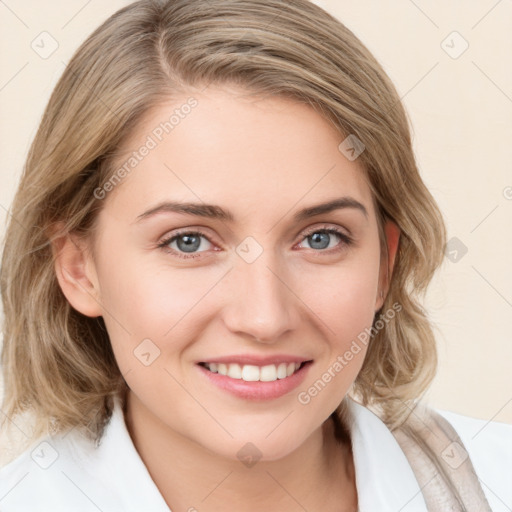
(188,242)
(319,242)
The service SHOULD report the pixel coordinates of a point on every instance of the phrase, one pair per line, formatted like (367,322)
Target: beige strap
(440,462)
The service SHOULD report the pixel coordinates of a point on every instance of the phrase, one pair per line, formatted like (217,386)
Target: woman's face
(262,283)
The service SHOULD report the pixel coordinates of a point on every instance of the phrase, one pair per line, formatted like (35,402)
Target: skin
(263,159)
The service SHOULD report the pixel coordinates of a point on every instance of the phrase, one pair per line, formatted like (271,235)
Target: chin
(256,448)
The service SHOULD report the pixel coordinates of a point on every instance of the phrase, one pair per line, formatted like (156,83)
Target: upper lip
(257,360)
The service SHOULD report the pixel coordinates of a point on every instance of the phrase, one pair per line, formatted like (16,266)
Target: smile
(252,373)
(252,382)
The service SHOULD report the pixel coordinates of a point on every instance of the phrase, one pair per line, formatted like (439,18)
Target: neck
(318,475)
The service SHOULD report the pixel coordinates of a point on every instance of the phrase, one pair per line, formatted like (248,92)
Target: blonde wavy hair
(57,362)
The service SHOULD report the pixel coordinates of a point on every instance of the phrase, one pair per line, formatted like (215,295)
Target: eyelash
(346,241)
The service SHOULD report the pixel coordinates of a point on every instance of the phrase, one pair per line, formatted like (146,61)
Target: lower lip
(257,390)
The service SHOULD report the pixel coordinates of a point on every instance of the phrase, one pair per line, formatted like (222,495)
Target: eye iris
(190,244)
(317,237)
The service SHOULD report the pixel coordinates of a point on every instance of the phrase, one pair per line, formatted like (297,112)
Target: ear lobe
(392,232)
(75,273)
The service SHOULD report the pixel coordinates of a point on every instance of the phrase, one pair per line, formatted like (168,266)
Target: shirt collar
(384,478)
(117,455)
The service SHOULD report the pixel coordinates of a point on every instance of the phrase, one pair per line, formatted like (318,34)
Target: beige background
(460,109)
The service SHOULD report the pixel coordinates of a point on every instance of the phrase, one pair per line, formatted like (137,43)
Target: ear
(76,272)
(392,232)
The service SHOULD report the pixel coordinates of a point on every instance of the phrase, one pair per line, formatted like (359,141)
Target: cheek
(152,303)
(144,301)
(344,297)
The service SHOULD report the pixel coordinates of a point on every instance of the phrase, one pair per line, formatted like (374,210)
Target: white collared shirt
(67,472)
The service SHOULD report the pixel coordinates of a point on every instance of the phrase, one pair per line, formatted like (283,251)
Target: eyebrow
(212,211)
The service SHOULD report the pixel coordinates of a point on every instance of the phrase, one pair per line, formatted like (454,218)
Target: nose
(262,305)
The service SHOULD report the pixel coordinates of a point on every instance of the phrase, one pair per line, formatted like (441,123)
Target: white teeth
(282,370)
(269,373)
(252,373)
(234,371)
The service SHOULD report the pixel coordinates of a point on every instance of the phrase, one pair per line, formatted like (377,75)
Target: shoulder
(52,475)
(68,471)
(488,444)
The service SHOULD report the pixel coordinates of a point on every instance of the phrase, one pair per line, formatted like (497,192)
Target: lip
(258,390)
(257,360)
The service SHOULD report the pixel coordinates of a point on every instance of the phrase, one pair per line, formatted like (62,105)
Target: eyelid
(325,225)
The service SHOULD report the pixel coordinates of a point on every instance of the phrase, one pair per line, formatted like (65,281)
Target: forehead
(225,147)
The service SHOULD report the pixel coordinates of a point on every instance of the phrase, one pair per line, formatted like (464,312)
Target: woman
(221,240)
